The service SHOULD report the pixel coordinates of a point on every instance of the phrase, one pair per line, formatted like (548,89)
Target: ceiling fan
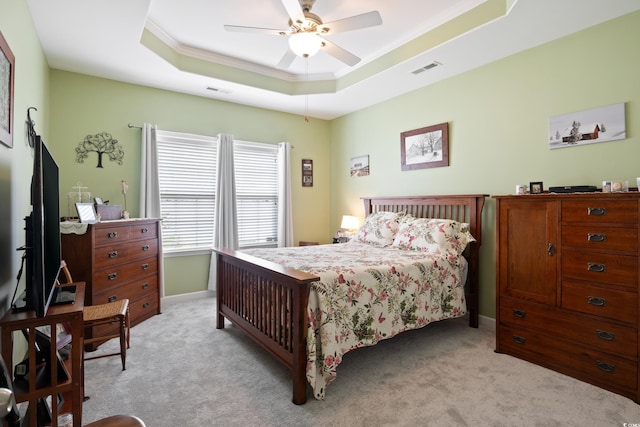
(307,32)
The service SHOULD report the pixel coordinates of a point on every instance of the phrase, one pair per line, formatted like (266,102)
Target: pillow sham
(433,235)
(379,228)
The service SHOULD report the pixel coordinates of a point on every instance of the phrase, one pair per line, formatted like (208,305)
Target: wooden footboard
(268,302)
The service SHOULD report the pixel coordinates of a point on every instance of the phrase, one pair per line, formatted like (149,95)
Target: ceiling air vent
(218,90)
(426,67)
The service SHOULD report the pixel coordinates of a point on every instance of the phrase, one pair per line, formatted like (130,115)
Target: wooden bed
(268,301)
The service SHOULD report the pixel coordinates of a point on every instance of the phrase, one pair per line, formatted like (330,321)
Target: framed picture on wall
(426,147)
(307,173)
(7,65)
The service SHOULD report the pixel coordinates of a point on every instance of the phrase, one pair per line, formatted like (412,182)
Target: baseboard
(488,323)
(191,296)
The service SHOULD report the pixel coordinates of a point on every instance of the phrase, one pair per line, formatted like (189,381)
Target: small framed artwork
(536,188)
(426,147)
(7,66)
(86,213)
(307,173)
(359,166)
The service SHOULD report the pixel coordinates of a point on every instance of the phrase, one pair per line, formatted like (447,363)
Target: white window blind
(187,175)
(187,166)
(256,167)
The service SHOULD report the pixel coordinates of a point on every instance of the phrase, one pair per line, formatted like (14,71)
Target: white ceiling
(131,40)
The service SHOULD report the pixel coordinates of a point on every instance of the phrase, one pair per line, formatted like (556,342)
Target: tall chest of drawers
(567,285)
(117,260)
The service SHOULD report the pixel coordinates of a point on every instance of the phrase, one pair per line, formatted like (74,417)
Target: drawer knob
(519,340)
(597,301)
(593,237)
(145,286)
(596,211)
(551,250)
(604,335)
(112,276)
(144,230)
(113,254)
(605,366)
(519,313)
(112,298)
(145,266)
(112,235)
(597,268)
(145,305)
(145,247)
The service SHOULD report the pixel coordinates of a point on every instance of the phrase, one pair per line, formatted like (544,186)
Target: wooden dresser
(567,285)
(118,259)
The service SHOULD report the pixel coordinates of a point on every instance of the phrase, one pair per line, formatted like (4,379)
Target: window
(187,174)
(256,166)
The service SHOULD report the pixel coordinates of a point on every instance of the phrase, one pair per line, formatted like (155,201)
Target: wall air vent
(426,67)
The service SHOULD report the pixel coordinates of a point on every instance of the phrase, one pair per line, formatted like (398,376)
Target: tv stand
(72,390)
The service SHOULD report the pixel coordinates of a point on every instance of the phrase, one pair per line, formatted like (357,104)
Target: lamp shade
(349,222)
(305,44)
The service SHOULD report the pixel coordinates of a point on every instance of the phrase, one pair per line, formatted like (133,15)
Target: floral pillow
(433,235)
(379,228)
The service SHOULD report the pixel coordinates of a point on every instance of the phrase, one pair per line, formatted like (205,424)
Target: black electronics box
(574,189)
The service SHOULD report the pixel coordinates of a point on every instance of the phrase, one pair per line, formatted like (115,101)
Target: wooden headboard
(462,208)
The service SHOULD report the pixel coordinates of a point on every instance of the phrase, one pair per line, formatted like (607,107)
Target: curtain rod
(131,126)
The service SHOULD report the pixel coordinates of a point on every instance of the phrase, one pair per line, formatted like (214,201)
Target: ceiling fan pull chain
(306,97)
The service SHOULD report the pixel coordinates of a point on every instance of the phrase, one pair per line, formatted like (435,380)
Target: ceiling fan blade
(369,19)
(294,10)
(287,60)
(339,53)
(256,30)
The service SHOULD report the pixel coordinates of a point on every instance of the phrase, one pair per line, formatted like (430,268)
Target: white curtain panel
(225,234)
(285,217)
(150,186)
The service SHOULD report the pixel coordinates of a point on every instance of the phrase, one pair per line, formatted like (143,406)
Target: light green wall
(498,117)
(82,105)
(31,89)
(498,127)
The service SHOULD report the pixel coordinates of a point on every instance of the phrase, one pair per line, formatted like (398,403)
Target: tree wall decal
(101,143)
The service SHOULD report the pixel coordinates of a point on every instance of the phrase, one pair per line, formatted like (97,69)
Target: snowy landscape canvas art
(592,126)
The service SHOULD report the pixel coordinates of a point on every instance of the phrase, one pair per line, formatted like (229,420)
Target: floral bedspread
(366,294)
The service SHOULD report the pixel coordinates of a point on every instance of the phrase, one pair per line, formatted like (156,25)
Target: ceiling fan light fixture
(305,45)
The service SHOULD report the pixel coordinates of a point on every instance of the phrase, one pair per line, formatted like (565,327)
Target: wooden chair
(104,314)
(118,421)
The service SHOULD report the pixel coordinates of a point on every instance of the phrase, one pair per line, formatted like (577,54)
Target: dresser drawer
(111,235)
(144,231)
(600,237)
(600,301)
(598,333)
(600,211)
(119,274)
(600,267)
(114,254)
(144,307)
(132,290)
(598,368)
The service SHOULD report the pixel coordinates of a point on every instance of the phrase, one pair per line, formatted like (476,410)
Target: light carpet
(182,371)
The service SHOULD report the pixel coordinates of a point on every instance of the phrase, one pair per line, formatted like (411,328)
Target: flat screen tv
(42,231)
